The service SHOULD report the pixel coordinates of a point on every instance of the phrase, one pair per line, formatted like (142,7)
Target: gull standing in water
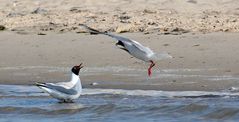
(134,48)
(65,91)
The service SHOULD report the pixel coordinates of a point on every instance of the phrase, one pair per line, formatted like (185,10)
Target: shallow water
(134,78)
(28,103)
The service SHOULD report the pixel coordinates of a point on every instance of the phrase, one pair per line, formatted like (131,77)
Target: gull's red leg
(150,68)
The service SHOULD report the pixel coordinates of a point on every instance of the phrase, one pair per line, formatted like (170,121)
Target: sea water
(29,103)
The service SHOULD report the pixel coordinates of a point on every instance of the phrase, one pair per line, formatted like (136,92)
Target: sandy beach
(154,16)
(41,40)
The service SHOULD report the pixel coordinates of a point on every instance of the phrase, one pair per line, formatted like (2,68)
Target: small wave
(37,110)
(22,110)
(19,90)
(222,113)
(154,93)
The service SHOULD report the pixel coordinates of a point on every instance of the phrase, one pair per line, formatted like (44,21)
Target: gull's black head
(120,43)
(76,69)
(123,46)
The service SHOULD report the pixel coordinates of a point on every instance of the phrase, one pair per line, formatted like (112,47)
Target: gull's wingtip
(91,30)
(40,84)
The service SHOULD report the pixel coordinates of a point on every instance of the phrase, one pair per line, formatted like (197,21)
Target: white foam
(20,90)
(225,77)
(155,93)
(36,67)
(187,70)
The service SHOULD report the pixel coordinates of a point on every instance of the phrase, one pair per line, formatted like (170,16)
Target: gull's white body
(64,94)
(138,50)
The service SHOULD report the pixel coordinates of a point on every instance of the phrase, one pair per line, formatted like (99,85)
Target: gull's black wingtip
(40,84)
(91,30)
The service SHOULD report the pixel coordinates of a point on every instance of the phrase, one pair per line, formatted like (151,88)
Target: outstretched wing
(142,48)
(124,40)
(91,30)
(134,43)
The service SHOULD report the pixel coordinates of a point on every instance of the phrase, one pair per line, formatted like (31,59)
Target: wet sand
(41,41)
(200,61)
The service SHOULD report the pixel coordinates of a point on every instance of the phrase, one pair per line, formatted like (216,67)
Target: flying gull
(134,48)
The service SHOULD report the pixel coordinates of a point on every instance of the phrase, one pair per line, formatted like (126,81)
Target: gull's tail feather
(162,56)
(91,30)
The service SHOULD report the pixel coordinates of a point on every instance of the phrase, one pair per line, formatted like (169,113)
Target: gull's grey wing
(136,44)
(61,89)
(131,42)
(142,48)
(92,30)
(119,38)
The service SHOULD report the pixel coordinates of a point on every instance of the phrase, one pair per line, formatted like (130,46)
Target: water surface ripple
(28,103)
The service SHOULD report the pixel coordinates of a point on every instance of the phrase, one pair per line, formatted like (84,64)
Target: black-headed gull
(134,48)
(65,91)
